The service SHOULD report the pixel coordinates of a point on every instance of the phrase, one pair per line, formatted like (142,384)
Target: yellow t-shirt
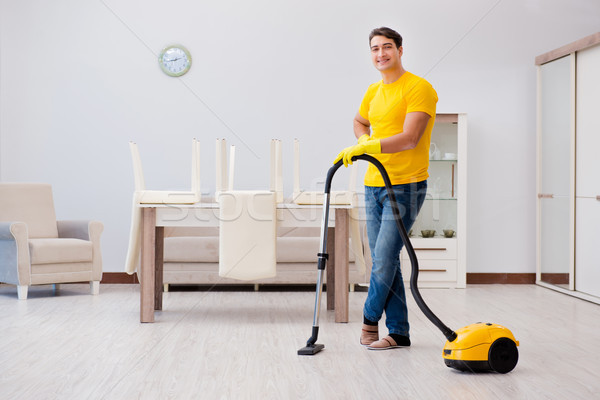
(385,106)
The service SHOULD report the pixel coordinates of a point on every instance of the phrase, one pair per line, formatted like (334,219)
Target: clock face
(175,60)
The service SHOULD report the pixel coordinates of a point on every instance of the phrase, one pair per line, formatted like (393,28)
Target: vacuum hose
(448,333)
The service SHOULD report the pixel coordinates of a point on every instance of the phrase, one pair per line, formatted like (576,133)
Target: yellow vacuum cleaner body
(482,347)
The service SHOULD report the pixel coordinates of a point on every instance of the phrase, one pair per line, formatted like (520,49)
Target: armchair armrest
(85,230)
(77,229)
(14,253)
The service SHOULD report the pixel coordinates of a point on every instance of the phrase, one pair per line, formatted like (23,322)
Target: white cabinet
(437,262)
(442,260)
(568,232)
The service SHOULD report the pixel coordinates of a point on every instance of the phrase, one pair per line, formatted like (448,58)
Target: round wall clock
(175,60)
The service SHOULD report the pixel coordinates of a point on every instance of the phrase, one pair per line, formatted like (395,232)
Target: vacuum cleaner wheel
(503,355)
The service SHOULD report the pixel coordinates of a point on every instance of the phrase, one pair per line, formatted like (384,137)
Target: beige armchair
(36,249)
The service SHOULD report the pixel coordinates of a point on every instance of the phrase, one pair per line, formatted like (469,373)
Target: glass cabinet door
(555,180)
(438,216)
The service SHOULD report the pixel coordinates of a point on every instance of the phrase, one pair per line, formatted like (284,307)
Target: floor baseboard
(118,277)
(504,278)
(472,278)
(556,278)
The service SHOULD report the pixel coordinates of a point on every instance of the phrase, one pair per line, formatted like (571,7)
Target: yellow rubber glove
(364,138)
(372,146)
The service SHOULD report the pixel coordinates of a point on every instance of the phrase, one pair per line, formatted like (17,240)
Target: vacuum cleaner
(476,347)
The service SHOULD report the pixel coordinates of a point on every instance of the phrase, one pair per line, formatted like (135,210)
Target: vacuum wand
(312,347)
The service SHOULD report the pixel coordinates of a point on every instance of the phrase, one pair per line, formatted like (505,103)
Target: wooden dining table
(155,217)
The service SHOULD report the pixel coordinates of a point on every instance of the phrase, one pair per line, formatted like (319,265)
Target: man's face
(384,53)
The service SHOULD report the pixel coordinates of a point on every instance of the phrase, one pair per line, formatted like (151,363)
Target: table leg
(330,270)
(342,232)
(148,264)
(158,267)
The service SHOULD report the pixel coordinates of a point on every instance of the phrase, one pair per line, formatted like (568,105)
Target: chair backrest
(231,167)
(296,166)
(220,165)
(195,166)
(138,172)
(31,203)
(276,169)
(224,174)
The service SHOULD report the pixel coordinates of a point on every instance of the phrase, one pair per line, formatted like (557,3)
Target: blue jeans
(386,289)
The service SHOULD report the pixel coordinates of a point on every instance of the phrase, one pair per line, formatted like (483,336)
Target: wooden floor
(242,345)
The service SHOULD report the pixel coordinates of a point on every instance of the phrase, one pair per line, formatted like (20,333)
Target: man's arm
(414,127)
(361,126)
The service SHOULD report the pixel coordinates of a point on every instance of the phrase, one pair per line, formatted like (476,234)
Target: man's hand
(372,146)
(364,138)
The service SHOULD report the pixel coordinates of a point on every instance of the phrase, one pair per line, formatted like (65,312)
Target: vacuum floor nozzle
(310,350)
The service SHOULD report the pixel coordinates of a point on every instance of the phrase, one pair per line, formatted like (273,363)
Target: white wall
(79,79)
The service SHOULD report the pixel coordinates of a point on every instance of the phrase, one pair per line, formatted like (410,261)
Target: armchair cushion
(50,251)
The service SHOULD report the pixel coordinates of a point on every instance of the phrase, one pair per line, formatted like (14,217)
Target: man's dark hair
(388,33)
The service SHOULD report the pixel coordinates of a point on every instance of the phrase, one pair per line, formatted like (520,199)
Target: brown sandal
(384,344)
(369,334)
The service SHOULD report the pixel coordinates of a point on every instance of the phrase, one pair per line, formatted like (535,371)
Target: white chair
(247,225)
(143,196)
(166,196)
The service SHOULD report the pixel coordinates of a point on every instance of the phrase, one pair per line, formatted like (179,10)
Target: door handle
(546,196)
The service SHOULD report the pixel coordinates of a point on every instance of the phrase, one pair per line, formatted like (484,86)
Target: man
(395,119)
